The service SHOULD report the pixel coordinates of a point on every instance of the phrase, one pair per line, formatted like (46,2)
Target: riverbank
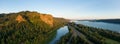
(60,32)
(80,34)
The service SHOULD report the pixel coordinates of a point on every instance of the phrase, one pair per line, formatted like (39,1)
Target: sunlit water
(103,25)
(60,32)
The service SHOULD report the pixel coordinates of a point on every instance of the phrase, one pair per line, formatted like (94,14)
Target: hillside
(28,27)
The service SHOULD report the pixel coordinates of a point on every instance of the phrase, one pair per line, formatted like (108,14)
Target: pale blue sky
(72,9)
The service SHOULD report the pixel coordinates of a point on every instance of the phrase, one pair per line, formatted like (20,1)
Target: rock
(47,19)
(19,18)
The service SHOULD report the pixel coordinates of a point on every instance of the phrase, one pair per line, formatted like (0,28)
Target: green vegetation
(30,29)
(37,28)
(91,35)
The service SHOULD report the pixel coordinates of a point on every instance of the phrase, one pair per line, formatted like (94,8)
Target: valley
(30,27)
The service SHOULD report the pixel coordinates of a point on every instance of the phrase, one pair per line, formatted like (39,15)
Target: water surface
(60,32)
(103,25)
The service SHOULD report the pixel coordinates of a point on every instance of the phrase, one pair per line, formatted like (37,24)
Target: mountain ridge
(29,16)
(28,27)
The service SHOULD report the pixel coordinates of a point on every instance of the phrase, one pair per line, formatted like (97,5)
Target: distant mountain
(116,21)
(28,27)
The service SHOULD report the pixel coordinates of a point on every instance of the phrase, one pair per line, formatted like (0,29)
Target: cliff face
(35,17)
(19,18)
(47,19)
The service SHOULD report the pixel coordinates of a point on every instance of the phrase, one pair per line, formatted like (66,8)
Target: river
(103,25)
(64,30)
(60,32)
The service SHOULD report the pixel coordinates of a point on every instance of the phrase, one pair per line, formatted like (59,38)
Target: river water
(60,32)
(103,25)
(64,30)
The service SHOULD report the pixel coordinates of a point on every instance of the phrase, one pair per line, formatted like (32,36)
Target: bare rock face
(20,19)
(47,19)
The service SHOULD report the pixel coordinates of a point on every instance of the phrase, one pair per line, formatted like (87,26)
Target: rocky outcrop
(19,18)
(35,17)
(47,19)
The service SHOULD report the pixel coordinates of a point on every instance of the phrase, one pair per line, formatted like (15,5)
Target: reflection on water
(103,25)
(60,32)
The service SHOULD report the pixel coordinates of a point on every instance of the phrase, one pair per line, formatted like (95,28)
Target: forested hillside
(28,27)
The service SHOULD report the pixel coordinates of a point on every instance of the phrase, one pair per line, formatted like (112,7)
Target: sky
(70,9)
